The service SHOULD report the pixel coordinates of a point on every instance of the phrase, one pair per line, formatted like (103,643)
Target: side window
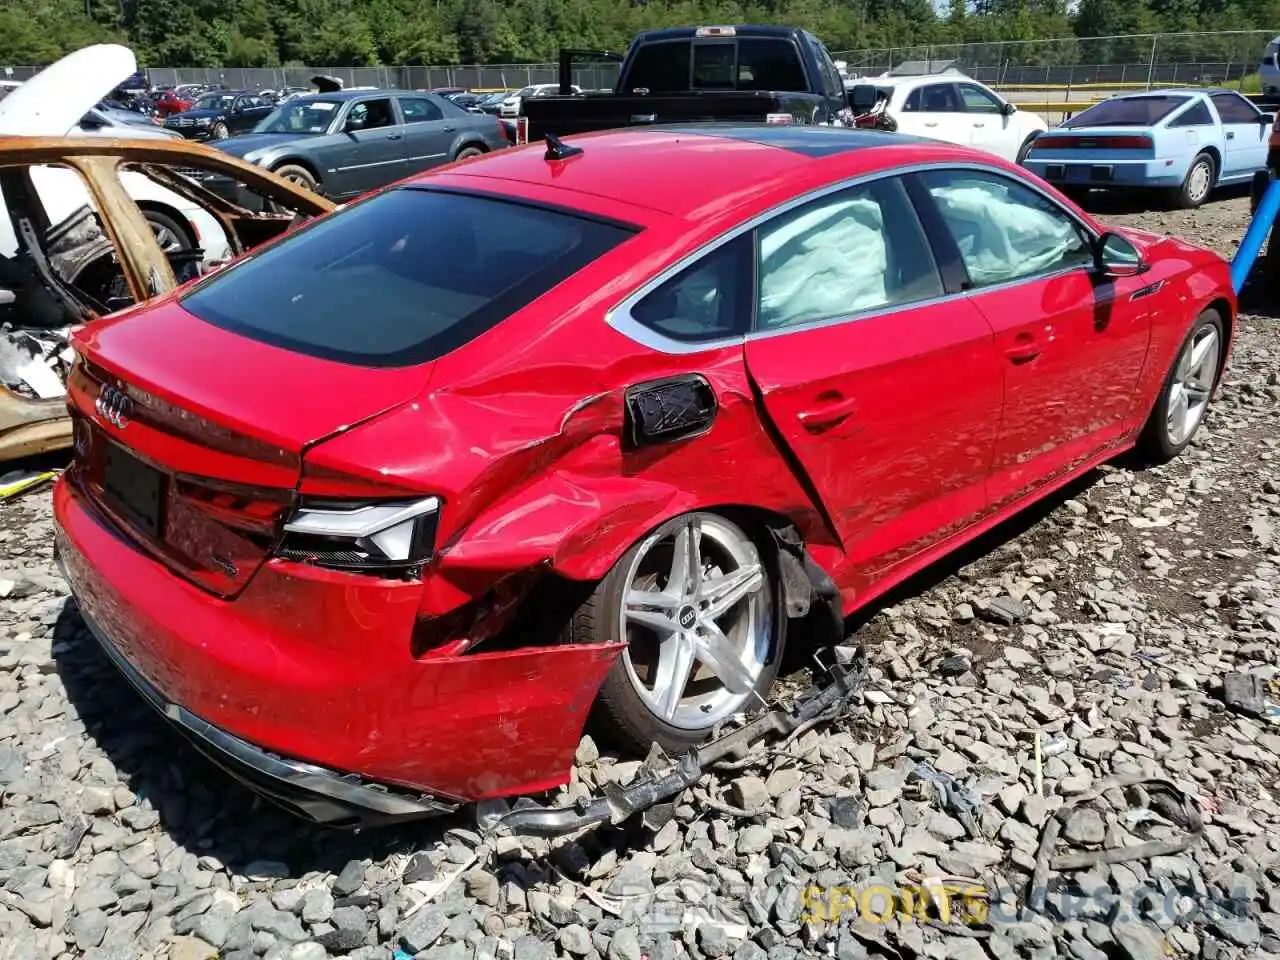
(708,300)
(1005,231)
(856,250)
(977,100)
(832,85)
(419,110)
(934,98)
(376,113)
(1233,108)
(1197,115)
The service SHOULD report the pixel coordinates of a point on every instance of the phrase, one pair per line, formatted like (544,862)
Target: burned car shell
(30,426)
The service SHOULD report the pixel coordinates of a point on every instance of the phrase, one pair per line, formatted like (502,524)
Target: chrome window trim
(619,316)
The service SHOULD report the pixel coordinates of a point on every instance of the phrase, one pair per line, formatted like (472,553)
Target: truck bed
(563,116)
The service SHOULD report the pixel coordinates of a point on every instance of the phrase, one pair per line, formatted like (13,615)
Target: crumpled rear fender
(546,480)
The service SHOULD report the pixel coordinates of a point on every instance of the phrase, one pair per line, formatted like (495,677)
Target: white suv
(953,108)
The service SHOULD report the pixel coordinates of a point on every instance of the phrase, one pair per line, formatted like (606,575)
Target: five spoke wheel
(697,614)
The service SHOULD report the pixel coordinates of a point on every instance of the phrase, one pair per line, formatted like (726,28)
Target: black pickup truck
(696,74)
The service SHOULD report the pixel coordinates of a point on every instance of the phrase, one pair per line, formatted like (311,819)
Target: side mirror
(1009,109)
(353,124)
(90,122)
(1267,119)
(1115,257)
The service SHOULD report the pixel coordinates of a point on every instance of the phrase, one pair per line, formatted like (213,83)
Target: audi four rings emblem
(114,406)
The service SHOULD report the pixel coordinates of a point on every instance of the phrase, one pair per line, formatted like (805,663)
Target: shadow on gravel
(209,813)
(202,808)
(1107,202)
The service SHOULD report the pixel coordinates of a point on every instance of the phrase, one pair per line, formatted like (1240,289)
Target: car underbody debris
(661,778)
(34,362)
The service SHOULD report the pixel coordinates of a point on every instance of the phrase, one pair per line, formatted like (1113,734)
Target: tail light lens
(382,537)
(1068,142)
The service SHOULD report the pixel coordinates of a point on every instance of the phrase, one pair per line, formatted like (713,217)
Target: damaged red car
(384,512)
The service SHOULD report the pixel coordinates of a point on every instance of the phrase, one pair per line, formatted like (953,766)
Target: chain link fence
(1142,60)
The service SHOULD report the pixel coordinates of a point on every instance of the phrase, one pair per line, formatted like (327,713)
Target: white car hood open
(52,102)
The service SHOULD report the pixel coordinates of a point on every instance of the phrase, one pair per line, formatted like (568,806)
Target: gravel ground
(1100,627)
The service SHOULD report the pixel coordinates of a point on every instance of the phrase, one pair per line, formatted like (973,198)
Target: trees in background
(264,33)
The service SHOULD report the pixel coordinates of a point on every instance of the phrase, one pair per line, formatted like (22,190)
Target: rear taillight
(379,537)
(1060,141)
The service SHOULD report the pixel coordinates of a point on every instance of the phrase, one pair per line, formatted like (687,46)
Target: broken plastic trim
(661,779)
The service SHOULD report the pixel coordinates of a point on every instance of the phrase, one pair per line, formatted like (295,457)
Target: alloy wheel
(697,613)
(1192,384)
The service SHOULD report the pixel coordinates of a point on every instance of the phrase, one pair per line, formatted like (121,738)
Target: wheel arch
(295,161)
(1223,308)
(1214,154)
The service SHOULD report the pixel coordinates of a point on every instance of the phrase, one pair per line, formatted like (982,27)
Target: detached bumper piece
(661,779)
(323,796)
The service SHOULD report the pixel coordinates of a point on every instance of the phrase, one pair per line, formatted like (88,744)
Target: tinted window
(832,85)
(934,98)
(708,300)
(1005,231)
(1196,115)
(660,67)
(373,113)
(856,250)
(769,63)
(713,66)
(977,100)
(401,278)
(1233,108)
(1126,111)
(864,96)
(419,110)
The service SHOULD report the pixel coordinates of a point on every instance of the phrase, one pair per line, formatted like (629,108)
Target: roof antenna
(557,149)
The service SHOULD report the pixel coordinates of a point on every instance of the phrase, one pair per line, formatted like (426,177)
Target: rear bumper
(315,793)
(1103,173)
(304,685)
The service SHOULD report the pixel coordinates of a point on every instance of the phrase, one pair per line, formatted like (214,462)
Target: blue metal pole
(1255,236)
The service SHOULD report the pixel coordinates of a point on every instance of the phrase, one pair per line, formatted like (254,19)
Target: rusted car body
(111,247)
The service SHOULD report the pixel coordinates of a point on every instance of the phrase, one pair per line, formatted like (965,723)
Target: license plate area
(134,490)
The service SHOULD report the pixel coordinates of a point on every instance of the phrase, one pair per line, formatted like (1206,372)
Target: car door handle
(394,136)
(979,124)
(1025,348)
(836,410)
(449,129)
(931,123)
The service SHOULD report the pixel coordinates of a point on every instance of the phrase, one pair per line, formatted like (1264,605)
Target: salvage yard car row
(385,509)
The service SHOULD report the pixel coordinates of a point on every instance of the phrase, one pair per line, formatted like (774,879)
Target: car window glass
(1232,108)
(659,67)
(856,250)
(401,278)
(933,98)
(832,85)
(713,66)
(375,113)
(1004,230)
(1197,115)
(419,110)
(977,100)
(705,301)
(768,63)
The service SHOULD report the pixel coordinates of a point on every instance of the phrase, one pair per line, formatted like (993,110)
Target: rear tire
(466,153)
(1196,185)
(172,235)
(220,131)
(1184,399)
(662,688)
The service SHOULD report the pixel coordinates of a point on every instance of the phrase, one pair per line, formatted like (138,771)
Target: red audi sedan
(380,513)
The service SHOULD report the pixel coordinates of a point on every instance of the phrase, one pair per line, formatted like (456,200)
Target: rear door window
(403,277)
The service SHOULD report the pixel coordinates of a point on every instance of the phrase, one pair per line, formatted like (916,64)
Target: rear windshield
(401,278)
(1127,111)
(749,63)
